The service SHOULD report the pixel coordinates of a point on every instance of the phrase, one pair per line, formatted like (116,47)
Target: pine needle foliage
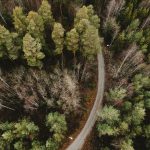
(32,51)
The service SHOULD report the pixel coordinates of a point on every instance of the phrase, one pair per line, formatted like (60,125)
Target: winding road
(79,141)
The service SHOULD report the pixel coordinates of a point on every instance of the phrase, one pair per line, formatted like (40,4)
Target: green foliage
(57,125)
(140,81)
(19,20)
(7,44)
(4,36)
(81,26)
(16,133)
(147,99)
(91,42)
(19,146)
(127,106)
(35,25)
(131,35)
(116,94)
(108,118)
(138,113)
(51,145)
(32,51)
(24,134)
(105,129)
(126,145)
(72,40)
(109,115)
(46,13)
(24,128)
(36,145)
(147,131)
(58,37)
(87,13)
(94,19)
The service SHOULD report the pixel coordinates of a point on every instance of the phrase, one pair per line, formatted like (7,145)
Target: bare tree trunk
(74,59)
(128,54)
(1,105)
(62,60)
(84,70)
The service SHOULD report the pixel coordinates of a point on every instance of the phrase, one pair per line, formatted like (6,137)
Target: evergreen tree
(72,42)
(108,118)
(87,13)
(7,44)
(19,20)
(32,50)
(46,13)
(116,94)
(57,125)
(90,42)
(126,144)
(58,38)
(35,25)
(15,134)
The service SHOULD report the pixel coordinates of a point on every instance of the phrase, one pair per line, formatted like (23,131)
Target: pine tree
(32,50)
(108,118)
(72,42)
(7,44)
(116,94)
(90,42)
(58,38)
(126,144)
(4,36)
(46,13)
(57,125)
(87,13)
(93,18)
(19,20)
(35,25)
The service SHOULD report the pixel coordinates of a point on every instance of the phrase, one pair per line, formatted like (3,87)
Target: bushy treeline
(125,117)
(36,35)
(124,120)
(125,23)
(38,102)
(25,134)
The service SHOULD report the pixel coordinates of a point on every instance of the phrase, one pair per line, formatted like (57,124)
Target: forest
(55,56)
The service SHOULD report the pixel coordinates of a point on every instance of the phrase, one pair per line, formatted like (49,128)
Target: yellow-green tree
(46,13)
(87,13)
(32,51)
(90,42)
(35,25)
(58,37)
(7,44)
(72,42)
(19,20)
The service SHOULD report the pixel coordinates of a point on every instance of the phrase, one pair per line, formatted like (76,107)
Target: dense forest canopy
(48,67)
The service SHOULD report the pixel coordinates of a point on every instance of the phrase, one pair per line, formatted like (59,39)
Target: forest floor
(90,94)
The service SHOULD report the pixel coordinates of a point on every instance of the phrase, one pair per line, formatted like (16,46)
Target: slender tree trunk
(74,59)
(7,107)
(62,60)
(61,13)
(84,70)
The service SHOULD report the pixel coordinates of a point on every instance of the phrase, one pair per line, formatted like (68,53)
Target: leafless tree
(114,7)
(133,61)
